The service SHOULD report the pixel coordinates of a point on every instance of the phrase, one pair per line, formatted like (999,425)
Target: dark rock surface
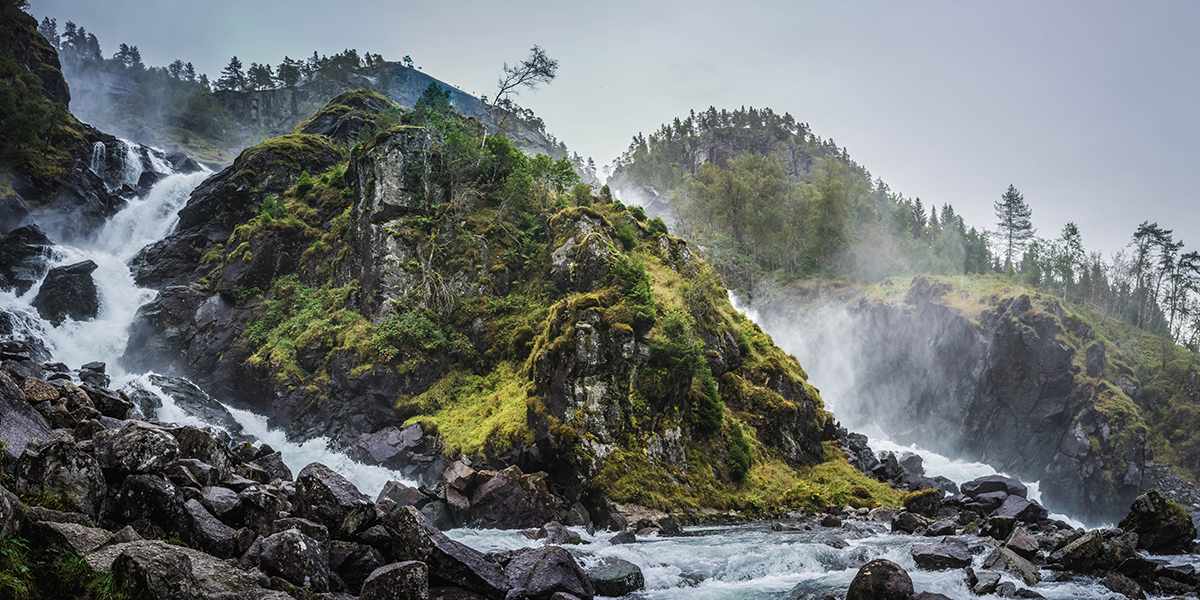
(880,580)
(25,255)
(68,292)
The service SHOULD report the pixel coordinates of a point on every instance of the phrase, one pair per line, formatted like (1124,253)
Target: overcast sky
(1088,107)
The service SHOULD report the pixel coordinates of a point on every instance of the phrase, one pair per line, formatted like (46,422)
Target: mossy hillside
(485,317)
(1163,376)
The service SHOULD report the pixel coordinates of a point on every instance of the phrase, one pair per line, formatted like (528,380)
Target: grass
(475,415)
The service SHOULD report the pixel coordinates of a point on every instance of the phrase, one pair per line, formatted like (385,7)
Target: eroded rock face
(68,292)
(1162,526)
(25,255)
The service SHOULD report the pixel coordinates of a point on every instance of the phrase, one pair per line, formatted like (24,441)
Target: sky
(1088,107)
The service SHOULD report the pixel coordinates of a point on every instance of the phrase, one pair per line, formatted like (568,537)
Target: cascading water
(144,221)
(99,154)
(131,163)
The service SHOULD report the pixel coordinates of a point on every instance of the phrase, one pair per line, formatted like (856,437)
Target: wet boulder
(1123,585)
(25,255)
(325,496)
(994,483)
(194,401)
(926,502)
(507,499)
(410,537)
(615,577)
(1019,508)
(207,532)
(1004,559)
(949,554)
(164,574)
(401,495)
(554,534)
(22,425)
(540,573)
(148,502)
(909,522)
(295,557)
(68,292)
(354,562)
(408,580)
(880,580)
(1162,525)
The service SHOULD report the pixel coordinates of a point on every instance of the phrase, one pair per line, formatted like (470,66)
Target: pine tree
(49,30)
(1016,227)
(232,77)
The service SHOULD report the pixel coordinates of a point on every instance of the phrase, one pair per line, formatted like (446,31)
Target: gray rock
(325,496)
(950,554)
(135,448)
(541,572)
(70,537)
(60,469)
(994,483)
(401,494)
(207,532)
(222,502)
(407,580)
(25,255)
(880,580)
(1162,526)
(615,577)
(293,556)
(353,563)
(22,425)
(410,537)
(1007,560)
(68,292)
(1021,509)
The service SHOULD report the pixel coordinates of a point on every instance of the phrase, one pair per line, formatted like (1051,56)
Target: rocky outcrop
(997,379)
(68,292)
(1162,526)
(25,255)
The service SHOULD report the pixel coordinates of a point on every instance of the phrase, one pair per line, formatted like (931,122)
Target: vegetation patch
(475,415)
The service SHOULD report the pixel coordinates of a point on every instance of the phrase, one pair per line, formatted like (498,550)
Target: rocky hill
(986,369)
(426,295)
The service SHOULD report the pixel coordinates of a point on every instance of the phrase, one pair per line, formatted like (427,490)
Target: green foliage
(740,457)
(474,415)
(272,208)
(16,570)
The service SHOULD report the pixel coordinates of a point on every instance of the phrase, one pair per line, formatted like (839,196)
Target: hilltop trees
(1016,227)
(232,77)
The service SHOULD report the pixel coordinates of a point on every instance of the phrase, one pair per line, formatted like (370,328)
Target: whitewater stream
(746,562)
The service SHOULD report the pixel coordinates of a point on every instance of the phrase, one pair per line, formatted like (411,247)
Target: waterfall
(131,163)
(143,221)
(99,153)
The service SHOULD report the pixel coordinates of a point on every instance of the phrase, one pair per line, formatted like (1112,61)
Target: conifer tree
(1013,217)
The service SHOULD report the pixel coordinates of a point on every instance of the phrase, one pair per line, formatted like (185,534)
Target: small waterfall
(131,163)
(99,154)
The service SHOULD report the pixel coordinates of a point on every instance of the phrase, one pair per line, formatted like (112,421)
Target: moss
(16,569)
(770,487)
(475,415)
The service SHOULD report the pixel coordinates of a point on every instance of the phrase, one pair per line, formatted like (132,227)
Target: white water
(99,152)
(144,221)
(131,163)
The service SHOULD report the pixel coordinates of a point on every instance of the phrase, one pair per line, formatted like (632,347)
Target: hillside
(424,277)
(988,369)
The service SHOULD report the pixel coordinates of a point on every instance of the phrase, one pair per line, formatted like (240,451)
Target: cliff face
(1007,377)
(422,296)
(55,170)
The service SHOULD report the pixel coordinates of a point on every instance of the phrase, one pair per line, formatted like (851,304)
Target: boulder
(907,522)
(1021,509)
(1023,543)
(982,584)
(510,499)
(1162,525)
(293,556)
(222,502)
(68,292)
(880,580)
(998,528)
(1005,559)
(994,483)
(206,532)
(22,425)
(135,448)
(401,494)
(1123,585)
(25,255)
(273,466)
(625,536)
(941,527)
(615,577)
(10,512)
(146,499)
(555,534)
(353,563)
(539,573)
(925,502)
(69,537)
(408,580)
(410,537)
(325,496)
(61,470)
(162,575)
(949,554)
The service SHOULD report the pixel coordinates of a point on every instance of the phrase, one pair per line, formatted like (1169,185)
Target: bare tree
(537,69)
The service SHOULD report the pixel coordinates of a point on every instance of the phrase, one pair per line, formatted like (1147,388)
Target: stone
(408,580)
(293,556)
(880,580)
(1123,585)
(135,448)
(60,469)
(325,496)
(998,527)
(163,575)
(70,537)
(1007,560)
(411,537)
(541,572)
(925,503)
(207,532)
(942,527)
(353,563)
(222,502)
(984,583)
(612,576)
(907,522)
(625,536)
(1162,525)
(68,292)
(22,425)
(994,483)
(1021,509)
(401,494)
(25,255)
(1023,543)
(944,555)
(272,464)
